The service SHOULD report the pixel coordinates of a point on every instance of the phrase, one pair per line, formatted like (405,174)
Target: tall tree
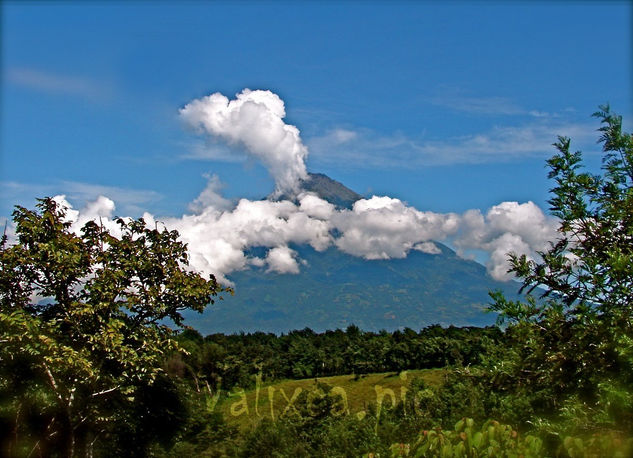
(577,341)
(81,327)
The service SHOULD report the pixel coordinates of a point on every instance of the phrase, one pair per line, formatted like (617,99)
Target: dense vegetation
(234,360)
(82,344)
(91,371)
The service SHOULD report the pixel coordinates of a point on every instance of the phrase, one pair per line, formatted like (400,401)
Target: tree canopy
(573,352)
(588,269)
(82,325)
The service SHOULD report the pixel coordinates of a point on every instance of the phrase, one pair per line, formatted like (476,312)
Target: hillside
(245,409)
(334,289)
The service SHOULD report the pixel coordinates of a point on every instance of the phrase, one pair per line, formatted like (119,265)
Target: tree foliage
(227,361)
(82,328)
(574,346)
(588,269)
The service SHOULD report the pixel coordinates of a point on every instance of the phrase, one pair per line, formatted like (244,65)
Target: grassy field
(246,408)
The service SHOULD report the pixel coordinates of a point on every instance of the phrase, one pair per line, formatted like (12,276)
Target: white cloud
(101,207)
(254,120)
(499,248)
(427,247)
(282,260)
(219,237)
(339,136)
(506,227)
(131,201)
(492,105)
(99,210)
(8,228)
(55,83)
(367,148)
(384,228)
(210,197)
(315,207)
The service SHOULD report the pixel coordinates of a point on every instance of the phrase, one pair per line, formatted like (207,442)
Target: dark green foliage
(156,415)
(82,344)
(315,428)
(227,361)
(466,440)
(203,431)
(571,353)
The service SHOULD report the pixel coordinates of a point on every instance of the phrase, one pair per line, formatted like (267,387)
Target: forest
(90,367)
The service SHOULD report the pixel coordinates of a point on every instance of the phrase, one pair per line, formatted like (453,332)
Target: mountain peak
(330,190)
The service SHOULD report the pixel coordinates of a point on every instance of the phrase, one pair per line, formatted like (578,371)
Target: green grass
(246,408)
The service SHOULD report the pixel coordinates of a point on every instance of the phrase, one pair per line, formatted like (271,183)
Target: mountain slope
(328,189)
(334,289)
(331,190)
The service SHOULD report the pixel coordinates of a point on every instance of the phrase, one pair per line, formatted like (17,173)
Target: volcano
(334,290)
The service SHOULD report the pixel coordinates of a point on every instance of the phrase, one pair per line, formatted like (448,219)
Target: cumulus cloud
(210,197)
(384,228)
(427,247)
(315,207)
(100,210)
(101,207)
(130,201)
(506,227)
(282,260)
(254,120)
(220,238)
(222,234)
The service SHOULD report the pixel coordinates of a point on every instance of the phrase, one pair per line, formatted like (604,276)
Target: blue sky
(448,106)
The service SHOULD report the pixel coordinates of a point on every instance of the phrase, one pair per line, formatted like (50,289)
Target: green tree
(588,269)
(82,330)
(575,344)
